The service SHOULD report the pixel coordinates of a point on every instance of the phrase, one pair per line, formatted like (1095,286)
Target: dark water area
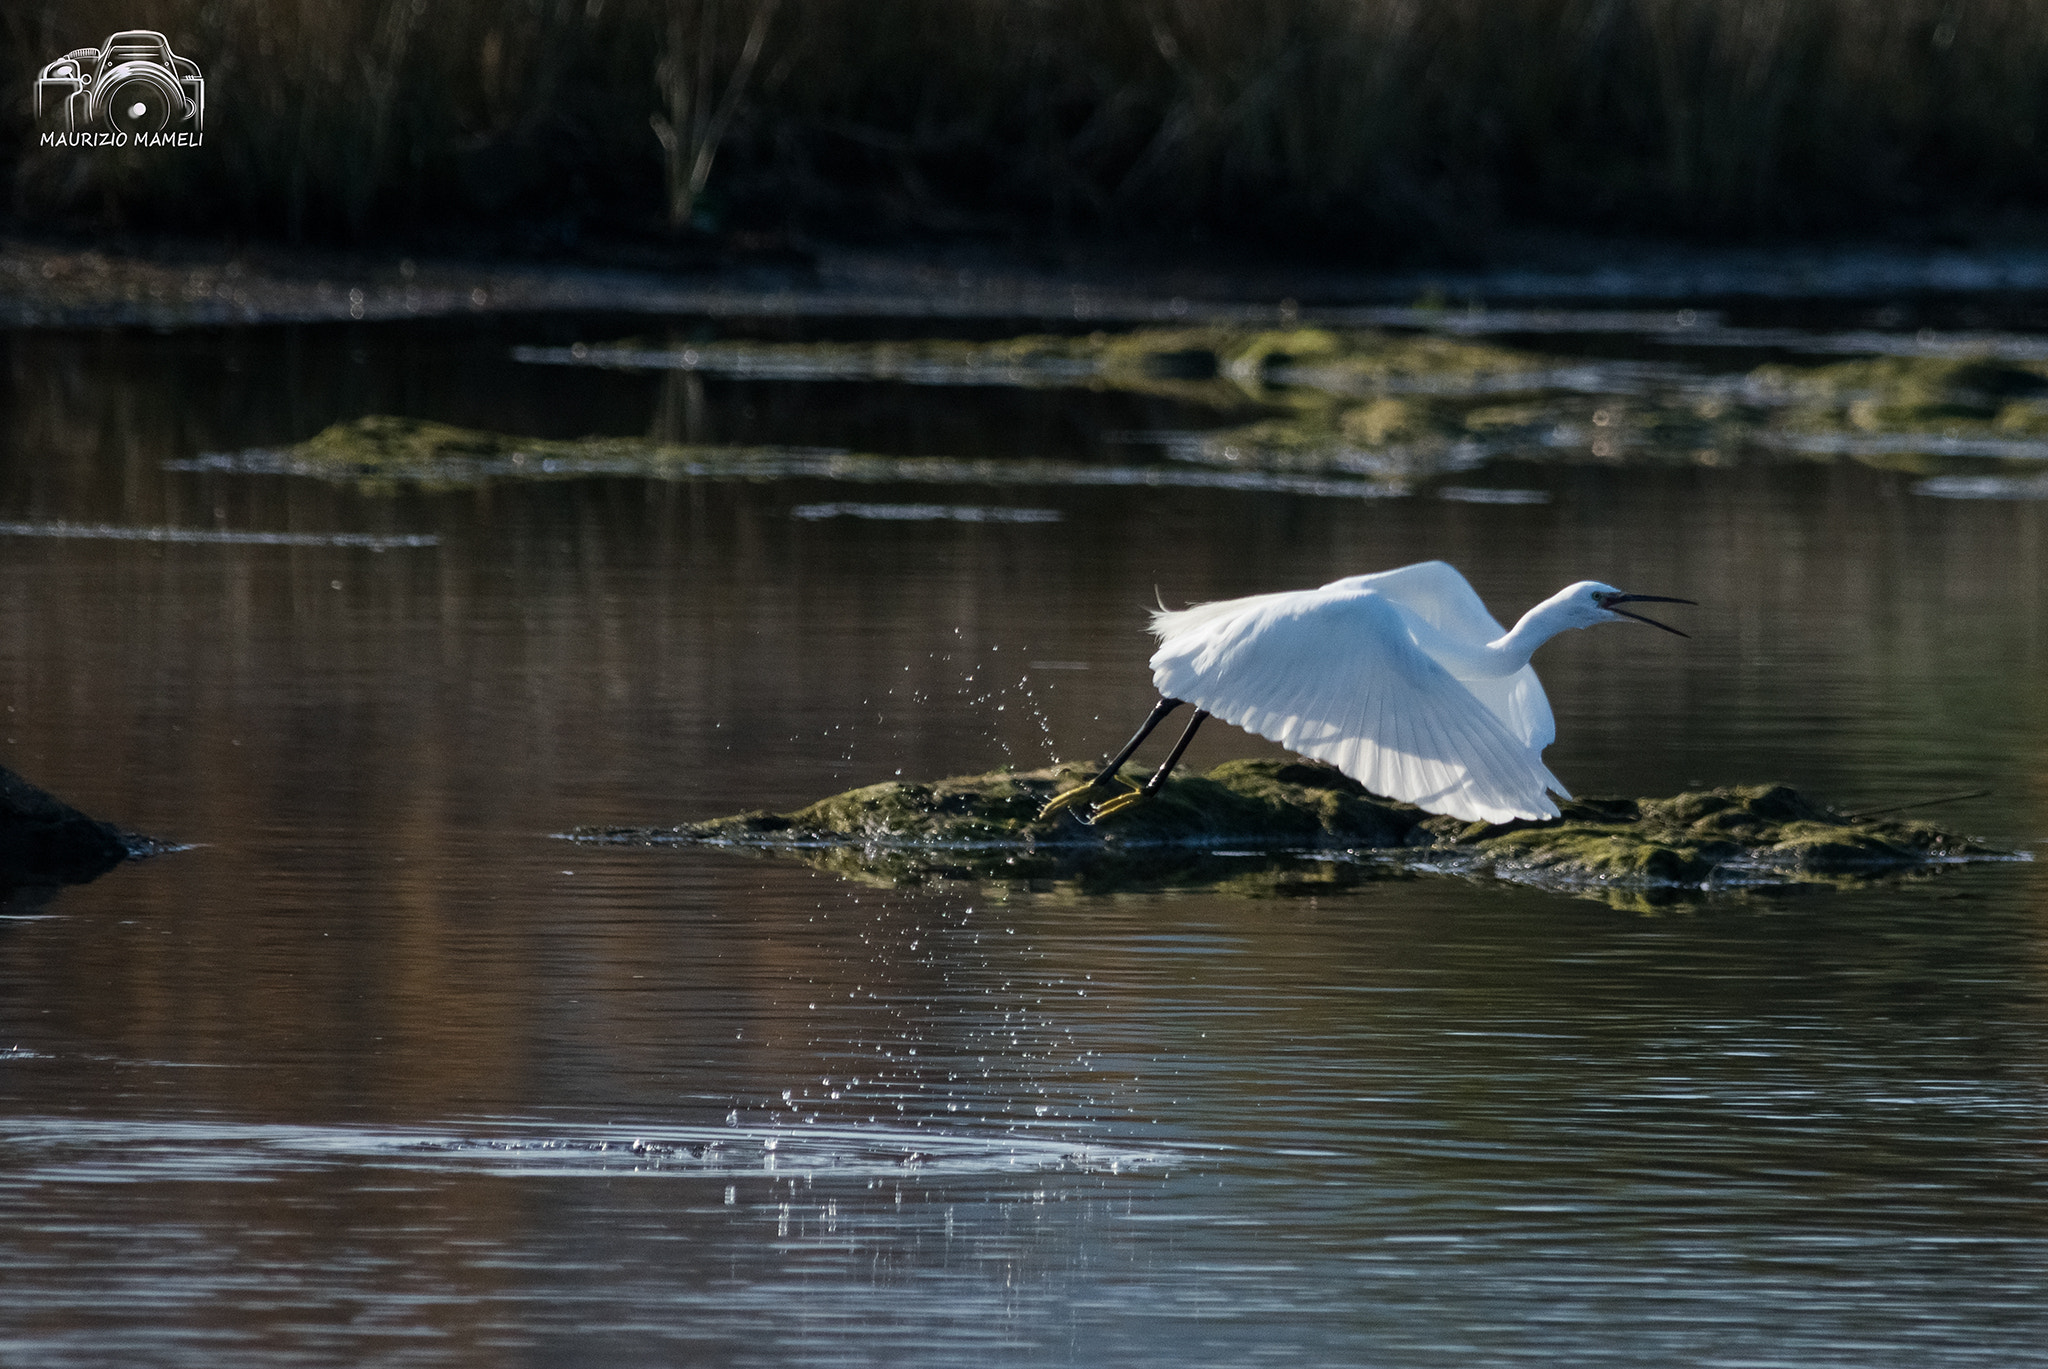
(379,1071)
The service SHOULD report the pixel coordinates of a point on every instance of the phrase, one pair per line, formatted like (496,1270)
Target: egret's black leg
(1152,720)
(1157,716)
(1158,780)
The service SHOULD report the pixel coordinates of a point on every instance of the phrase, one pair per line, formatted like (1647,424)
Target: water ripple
(44,1149)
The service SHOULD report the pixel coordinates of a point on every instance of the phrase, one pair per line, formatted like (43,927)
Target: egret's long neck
(1536,627)
(1504,655)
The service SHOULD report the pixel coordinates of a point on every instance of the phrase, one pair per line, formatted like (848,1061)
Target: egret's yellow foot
(1074,796)
(1071,797)
(1131,799)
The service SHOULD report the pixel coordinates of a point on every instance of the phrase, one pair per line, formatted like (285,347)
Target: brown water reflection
(259,1097)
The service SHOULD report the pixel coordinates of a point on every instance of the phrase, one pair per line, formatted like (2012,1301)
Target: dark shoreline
(172,283)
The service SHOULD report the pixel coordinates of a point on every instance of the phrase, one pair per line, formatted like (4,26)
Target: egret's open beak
(1608,602)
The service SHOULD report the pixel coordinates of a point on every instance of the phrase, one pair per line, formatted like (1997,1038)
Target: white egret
(1402,680)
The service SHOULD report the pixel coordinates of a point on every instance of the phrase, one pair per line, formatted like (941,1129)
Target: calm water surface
(379,1072)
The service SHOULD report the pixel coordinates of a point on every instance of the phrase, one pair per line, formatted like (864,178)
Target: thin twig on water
(1917,803)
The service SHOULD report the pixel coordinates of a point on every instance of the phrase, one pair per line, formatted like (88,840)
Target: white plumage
(1402,680)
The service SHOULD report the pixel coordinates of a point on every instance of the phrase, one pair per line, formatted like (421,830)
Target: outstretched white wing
(1432,590)
(1435,592)
(1334,674)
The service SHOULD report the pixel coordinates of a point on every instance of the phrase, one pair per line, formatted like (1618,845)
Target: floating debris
(1281,827)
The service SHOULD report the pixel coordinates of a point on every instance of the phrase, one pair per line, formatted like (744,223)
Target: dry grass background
(1354,124)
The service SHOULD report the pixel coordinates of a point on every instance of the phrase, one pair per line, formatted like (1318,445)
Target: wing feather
(1519,702)
(1335,674)
(1176,622)
(1436,593)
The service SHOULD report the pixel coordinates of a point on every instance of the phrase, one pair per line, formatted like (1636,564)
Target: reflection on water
(359,1078)
(106,532)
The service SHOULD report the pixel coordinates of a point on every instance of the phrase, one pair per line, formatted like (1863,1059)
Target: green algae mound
(1262,803)
(1281,827)
(1755,831)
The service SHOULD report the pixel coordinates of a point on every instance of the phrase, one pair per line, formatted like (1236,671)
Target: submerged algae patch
(1217,365)
(1912,394)
(386,449)
(380,452)
(1316,411)
(1269,826)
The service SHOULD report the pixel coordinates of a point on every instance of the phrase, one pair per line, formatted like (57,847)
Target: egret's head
(1589,602)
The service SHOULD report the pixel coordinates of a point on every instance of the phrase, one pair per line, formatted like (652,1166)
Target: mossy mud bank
(1289,827)
(1314,410)
(46,843)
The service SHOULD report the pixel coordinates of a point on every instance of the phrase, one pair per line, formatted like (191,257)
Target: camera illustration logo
(132,89)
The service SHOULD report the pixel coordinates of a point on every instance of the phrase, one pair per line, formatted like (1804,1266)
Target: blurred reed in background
(1348,124)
